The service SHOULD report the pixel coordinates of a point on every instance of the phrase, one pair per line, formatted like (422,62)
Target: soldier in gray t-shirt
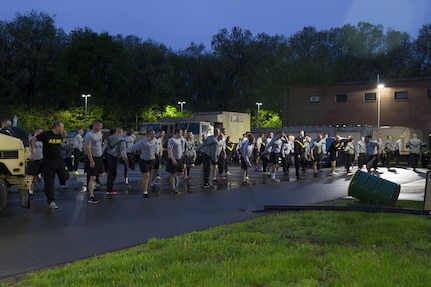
(147,146)
(175,164)
(94,161)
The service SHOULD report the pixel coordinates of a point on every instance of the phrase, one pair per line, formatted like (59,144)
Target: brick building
(402,103)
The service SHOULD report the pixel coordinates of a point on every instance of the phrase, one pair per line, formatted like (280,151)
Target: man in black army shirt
(53,162)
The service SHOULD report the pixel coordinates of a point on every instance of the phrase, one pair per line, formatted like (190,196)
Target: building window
(314,99)
(341,98)
(370,97)
(429,94)
(404,95)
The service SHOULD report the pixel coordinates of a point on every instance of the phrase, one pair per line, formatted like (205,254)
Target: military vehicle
(14,152)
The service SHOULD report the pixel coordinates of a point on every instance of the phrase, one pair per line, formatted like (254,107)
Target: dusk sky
(177,23)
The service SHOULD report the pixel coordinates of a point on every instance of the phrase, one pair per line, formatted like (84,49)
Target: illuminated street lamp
(85,113)
(258,113)
(181,106)
(379,88)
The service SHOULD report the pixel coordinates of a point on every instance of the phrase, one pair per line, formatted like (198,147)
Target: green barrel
(373,190)
(357,184)
(388,193)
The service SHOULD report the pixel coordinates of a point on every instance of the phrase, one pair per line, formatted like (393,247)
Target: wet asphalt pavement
(35,238)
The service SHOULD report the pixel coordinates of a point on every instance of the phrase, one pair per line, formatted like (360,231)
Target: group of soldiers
(213,151)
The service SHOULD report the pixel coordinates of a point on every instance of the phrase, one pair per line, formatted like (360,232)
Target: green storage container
(357,184)
(388,193)
(374,190)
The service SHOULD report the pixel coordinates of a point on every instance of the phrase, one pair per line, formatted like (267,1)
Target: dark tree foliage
(44,68)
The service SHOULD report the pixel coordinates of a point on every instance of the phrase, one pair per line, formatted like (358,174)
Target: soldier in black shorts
(34,167)
(175,164)
(317,153)
(94,164)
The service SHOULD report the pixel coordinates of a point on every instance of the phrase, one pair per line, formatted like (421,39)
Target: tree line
(44,71)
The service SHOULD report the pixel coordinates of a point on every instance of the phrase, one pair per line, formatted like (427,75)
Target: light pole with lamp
(258,113)
(181,106)
(85,111)
(379,88)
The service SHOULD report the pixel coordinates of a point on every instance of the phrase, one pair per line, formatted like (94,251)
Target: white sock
(127,180)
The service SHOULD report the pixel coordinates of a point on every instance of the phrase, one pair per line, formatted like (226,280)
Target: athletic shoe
(63,187)
(228,173)
(207,185)
(275,180)
(214,178)
(76,172)
(111,192)
(174,191)
(92,200)
(145,194)
(244,182)
(52,205)
(84,189)
(334,173)
(247,178)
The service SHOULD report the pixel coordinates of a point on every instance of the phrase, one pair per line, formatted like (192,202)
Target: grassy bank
(309,248)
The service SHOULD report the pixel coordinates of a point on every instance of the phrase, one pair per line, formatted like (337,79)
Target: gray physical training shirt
(147,148)
(158,145)
(95,139)
(177,146)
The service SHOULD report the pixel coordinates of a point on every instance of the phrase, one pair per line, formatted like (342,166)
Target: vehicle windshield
(182,126)
(194,127)
(205,128)
(145,127)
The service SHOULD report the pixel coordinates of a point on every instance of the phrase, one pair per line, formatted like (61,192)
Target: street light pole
(85,111)
(181,106)
(379,88)
(258,114)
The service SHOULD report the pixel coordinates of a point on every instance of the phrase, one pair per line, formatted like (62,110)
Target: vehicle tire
(3,195)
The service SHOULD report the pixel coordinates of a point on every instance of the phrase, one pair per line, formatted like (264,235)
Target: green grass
(307,248)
